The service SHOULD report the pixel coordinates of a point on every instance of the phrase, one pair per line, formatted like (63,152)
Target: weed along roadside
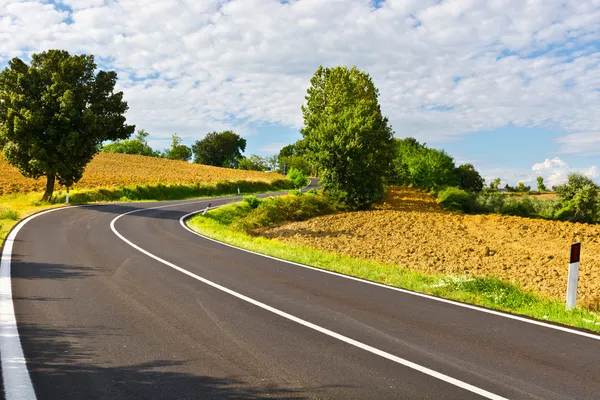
(308,229)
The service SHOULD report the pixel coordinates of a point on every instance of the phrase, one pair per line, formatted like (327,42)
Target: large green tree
(55,114)
(346,136)
(221,149)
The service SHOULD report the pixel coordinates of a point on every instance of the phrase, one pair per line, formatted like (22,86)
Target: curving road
(149,310)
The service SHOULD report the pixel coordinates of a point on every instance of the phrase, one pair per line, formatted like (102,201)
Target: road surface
(100,319)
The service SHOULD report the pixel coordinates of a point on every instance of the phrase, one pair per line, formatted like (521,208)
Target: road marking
(335,335)
(423,295)
(17,382)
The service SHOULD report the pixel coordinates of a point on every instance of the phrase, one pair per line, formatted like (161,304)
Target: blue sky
(510,86)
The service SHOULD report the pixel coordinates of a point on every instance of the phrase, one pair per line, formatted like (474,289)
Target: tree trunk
(49,187)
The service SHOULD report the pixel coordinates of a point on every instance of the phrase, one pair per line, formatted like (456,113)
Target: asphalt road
(100,319)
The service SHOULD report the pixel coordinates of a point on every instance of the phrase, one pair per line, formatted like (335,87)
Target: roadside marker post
(206,209)
(67,196)
(573,275)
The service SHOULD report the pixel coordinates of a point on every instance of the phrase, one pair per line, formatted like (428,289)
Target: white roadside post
(573,276)
(67,196)
(238,190)
(206,209)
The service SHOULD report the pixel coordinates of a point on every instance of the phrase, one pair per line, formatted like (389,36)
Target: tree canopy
(221,149)
(138,146)
(469,179)
(253,163)
(178,151)
(346,136)
(55,114)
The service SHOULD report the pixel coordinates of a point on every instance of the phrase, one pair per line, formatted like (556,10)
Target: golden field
(110,170)
(409,229)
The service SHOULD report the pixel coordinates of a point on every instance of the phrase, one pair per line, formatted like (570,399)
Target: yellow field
(110,170)
(409,229)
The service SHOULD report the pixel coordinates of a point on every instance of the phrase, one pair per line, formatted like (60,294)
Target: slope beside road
(98,318)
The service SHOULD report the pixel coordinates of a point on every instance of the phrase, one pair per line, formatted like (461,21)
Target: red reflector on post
(209,204)
(575,252)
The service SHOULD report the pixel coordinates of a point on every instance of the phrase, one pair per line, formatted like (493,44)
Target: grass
(488,292)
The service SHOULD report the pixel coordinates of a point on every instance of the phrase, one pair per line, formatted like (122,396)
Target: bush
(298,178)
(490,202)
(252,201)
(8,213)
(522,207)
(456,199)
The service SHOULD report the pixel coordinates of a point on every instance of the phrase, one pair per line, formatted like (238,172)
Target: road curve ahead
(149,310)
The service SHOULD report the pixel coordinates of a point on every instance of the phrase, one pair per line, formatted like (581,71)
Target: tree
(522,188)
(294,156)
(178,151)
(469,178)
(272,162)
(221,149)
(55,114)
(416,165)
(253,163)
(494,185)
(346,136)
(138,146)
(540,184)
(579,199)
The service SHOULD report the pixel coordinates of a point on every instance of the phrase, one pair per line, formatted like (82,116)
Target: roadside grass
(16,206)
(489,292)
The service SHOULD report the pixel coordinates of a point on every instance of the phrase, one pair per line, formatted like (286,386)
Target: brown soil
(409,229)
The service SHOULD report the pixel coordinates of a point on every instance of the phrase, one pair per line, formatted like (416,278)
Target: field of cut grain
(409,229)
(110,170)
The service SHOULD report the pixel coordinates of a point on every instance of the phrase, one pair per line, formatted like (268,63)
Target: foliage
(178,151)
(252,201)
(220,149)
(455,199)
(522,188)
(494,185)
(416,165)
(579,199)
(8,213)
(521,207)
(346,136)
(133,146)
(55,114)
(272,211)
(298,177)
(294,156)
(540,184)
(253,163)
(469,179)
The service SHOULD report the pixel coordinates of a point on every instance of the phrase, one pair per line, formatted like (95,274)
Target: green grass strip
(488,292)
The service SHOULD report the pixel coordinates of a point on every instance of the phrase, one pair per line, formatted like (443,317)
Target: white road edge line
(381,353)
(17,382)
(426,296)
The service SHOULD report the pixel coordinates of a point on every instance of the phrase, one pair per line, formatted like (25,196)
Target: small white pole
(573,276)
(238,190)
(67,196)
(206,209)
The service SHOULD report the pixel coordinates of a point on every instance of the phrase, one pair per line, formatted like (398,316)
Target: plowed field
(109,170)
(409,229)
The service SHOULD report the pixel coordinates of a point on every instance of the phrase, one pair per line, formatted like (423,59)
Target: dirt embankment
(409,229)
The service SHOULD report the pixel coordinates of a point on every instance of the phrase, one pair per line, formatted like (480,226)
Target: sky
(511,86)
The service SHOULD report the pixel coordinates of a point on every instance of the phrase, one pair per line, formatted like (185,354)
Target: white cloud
(555,171)
(196,66)
(272,148)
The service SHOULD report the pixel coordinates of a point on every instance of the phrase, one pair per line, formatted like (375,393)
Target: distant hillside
(110,170)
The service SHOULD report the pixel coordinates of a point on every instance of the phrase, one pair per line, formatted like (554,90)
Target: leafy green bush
(252,201)
(296,192)
(8,213)
(579,199)
(490,202)
(520,207)
(455,199)
(298,177)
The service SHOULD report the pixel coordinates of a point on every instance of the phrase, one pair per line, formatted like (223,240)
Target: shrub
(252,201)
(298,178)
(490,202)
(522,207)
(456,199)
(8,213)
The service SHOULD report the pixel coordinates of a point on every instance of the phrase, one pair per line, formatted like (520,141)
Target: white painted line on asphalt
(426,296)
(373,350)
(17,382)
